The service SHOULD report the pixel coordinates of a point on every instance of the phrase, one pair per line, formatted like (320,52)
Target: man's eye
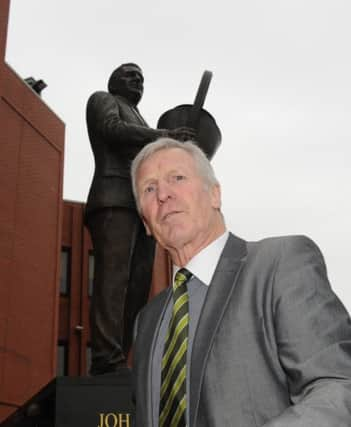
(179,177)
(149,189)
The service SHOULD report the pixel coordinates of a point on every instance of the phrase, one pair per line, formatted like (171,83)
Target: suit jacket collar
(125,100)
(132,108)
(218,295)
(147,346)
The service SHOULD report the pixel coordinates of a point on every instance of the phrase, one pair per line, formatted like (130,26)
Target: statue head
(127,80)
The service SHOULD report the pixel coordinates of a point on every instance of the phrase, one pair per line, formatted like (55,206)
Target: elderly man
(123,253)
(251,334)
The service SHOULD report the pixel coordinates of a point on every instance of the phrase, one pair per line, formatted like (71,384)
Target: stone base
(100,401)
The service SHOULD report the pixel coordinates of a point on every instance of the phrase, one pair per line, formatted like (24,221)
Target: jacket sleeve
(103,115)
(313,335)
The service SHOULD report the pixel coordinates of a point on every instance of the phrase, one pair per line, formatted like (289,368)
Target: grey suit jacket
(273,343)
(117,132)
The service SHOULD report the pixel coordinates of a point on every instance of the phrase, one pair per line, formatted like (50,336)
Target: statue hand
(182,133)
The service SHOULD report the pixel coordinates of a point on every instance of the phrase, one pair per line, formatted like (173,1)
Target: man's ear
(147,229)
(216,196)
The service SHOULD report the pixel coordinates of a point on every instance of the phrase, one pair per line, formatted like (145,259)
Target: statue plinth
(99,401)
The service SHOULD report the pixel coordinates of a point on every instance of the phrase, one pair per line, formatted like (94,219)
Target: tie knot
(181,277)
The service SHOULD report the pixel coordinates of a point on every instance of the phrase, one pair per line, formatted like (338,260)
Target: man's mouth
(169,214)
(136,85)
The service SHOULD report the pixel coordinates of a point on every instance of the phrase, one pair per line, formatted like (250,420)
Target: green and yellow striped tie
(173,372)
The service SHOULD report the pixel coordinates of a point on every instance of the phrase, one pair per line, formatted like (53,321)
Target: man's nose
(164,192)
(137,77)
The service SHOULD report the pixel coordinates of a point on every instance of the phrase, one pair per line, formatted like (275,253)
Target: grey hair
(203,165)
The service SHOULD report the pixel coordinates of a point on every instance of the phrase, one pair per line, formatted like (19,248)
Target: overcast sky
(280,93)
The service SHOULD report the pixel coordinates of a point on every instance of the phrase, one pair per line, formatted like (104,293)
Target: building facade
(31,176)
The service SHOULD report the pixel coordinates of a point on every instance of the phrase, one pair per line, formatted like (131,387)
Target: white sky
(280,93)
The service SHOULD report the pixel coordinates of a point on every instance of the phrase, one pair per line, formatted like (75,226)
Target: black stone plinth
(100,401)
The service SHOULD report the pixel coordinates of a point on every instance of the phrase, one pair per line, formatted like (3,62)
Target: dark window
(62,359)
(91,273)
(65,271)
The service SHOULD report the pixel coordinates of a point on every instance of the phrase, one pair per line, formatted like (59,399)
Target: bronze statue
(123,253)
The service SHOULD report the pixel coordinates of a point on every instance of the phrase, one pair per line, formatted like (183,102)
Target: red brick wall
(31,168)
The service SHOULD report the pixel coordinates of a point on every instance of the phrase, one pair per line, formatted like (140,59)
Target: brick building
(31,175)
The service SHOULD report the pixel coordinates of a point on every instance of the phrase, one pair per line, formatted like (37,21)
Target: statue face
(131,83)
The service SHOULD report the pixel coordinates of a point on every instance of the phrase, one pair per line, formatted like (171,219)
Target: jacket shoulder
(285,244)
(100,96)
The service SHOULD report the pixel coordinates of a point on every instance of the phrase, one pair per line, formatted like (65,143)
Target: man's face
(131,83)
(177,207)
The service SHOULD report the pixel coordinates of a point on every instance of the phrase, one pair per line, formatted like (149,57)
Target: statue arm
(103,114)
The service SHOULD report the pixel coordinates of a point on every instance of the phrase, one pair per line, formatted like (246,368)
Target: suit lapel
(148,341)
(138,115)
(130,112)
(219,292)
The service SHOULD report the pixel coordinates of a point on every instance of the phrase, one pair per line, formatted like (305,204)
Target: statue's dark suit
(117,133)
(273,343)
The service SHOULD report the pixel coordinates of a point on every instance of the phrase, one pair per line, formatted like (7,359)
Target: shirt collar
(203,264)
